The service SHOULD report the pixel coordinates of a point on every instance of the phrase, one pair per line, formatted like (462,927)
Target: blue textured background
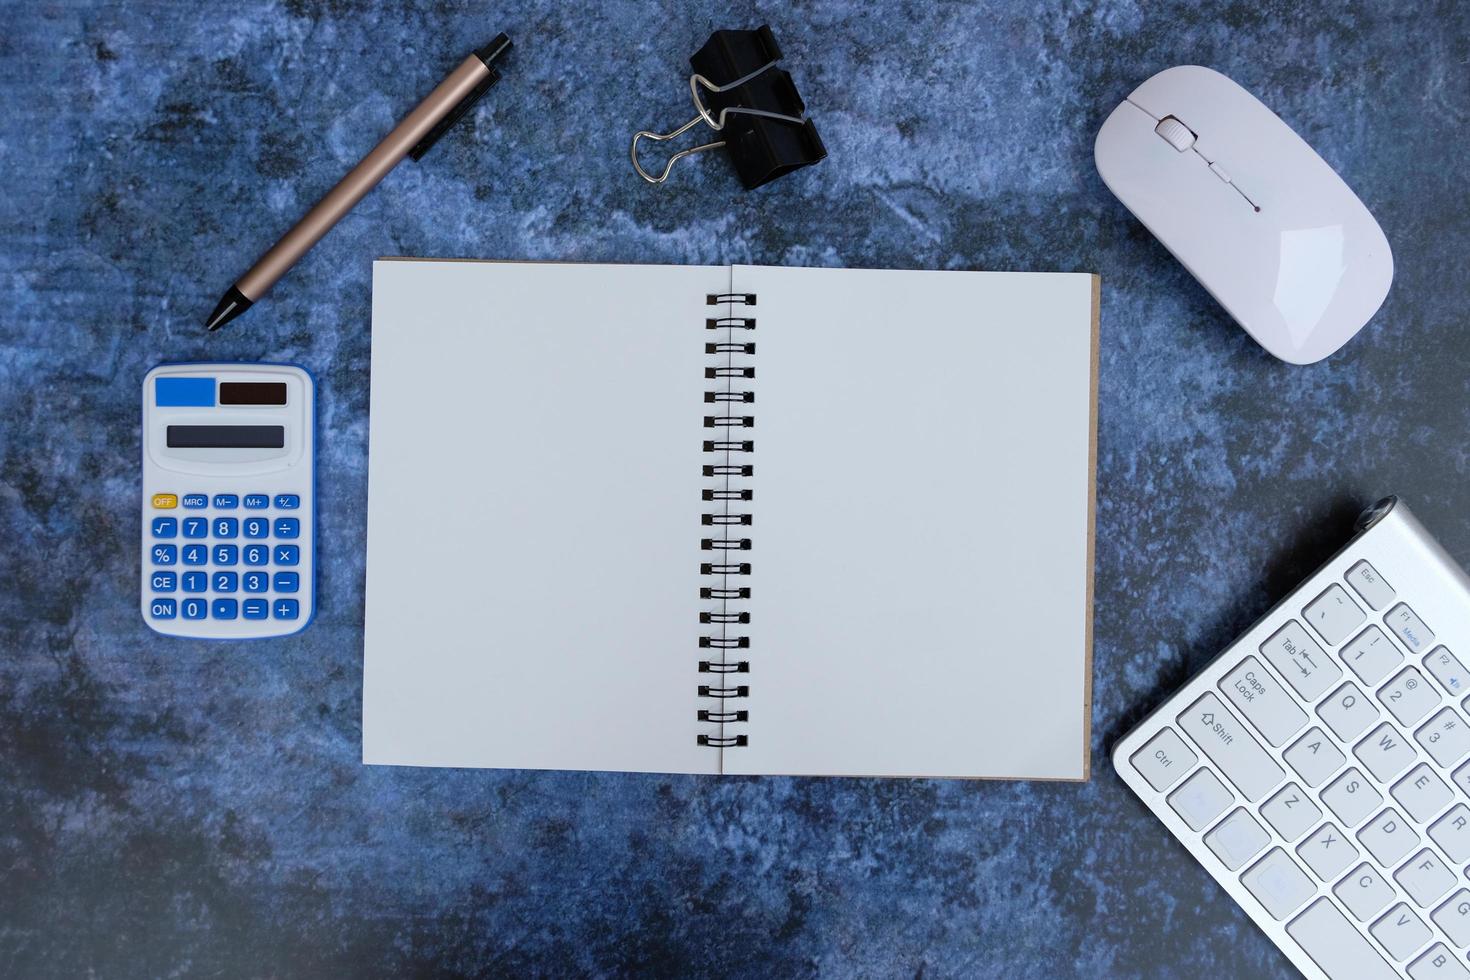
(180,808)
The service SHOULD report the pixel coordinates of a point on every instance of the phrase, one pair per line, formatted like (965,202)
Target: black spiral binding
(729,453)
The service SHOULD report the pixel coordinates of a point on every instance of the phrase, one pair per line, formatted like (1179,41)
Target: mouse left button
(1178,135)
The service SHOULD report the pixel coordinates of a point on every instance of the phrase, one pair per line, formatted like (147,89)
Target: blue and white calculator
(229,457)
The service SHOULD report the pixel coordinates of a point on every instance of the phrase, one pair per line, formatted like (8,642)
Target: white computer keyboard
(1319,768)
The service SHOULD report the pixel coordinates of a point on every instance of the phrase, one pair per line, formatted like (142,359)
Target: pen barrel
(362,178)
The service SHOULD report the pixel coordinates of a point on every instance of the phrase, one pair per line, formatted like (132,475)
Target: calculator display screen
(226,436)
(252,393)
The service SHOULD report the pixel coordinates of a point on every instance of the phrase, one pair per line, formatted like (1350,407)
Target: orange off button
(165,501)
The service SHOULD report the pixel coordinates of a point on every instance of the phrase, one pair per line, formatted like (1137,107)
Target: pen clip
(453,116)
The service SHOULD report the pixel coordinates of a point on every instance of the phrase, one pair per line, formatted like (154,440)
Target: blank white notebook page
(534,516)
(922,522)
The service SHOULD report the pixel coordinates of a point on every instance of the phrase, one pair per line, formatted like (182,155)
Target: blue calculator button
(194,608)
(288,527)
(195,581)
(287,501)
(196,527)
(162,609)
(194,501)
(195,554)
(226,581)
(287,581)
(225,609)
(163,581)
(255,527)
(226,554)
(288,554)
(253,608)
(165,527)
(286,608)
(165,554)
(256,554)
(254,582)
(226,527)
(226,501)
(257,501)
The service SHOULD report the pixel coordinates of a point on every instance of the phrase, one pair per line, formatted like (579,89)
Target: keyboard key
(226,554)
(1409,628)
(1452,833)
(1336,945)
(1278,884)
(161,608)
(194,608)
(1237,839)
(1372,655)
(226,501)
(1446,738)
(1425,877)
(255,554)
(1301,661)
(1201,799)
(226,581)
(225,609)
(226,527)
(1264,702)
(1421,793)
(1401,932)
(1333,615)
(254,609)
(1314,757)
(1385,753)
(287,554)
(1348,712)
(1291,812)
(288,528)
(257,501)
(1454,918)
(1328,852)
(196,554)
(287,501)
(291,582)
(195,501)
(1232,748)
(1409,696)
(165,554)
(195,581)
(255,581)
(196,527)
(255,527)
(165,527)
(163,581)
(1366,582)
(165,501)
(1448,670)
(286,608)
(1388,837)
(1364,892)
(1352,797)
(1438,963)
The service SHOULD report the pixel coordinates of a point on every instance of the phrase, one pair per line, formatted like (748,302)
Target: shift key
(1231,746)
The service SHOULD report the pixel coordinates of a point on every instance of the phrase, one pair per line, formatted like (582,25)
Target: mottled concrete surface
(178,808)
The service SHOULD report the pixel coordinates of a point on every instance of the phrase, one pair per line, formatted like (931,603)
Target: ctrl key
(1335,944)
(1164,759)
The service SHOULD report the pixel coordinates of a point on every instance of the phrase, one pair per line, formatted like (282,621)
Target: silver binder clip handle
(696,82)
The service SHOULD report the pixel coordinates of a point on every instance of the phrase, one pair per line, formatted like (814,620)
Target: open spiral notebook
(730,519)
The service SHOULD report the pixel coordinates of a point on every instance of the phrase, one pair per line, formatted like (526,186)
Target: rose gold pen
(418,131)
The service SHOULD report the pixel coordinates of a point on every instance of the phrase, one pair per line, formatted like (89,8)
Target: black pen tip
(230,305)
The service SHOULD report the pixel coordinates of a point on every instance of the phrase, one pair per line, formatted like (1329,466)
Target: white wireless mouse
(1264,224)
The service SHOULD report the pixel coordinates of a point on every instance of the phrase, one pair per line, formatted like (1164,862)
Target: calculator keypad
(215,546)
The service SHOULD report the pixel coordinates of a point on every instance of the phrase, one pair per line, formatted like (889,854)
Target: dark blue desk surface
(183,807)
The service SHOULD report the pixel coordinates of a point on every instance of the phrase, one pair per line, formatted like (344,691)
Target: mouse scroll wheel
(1180,136)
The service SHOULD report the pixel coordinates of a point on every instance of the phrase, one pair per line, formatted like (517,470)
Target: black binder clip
(751,103)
